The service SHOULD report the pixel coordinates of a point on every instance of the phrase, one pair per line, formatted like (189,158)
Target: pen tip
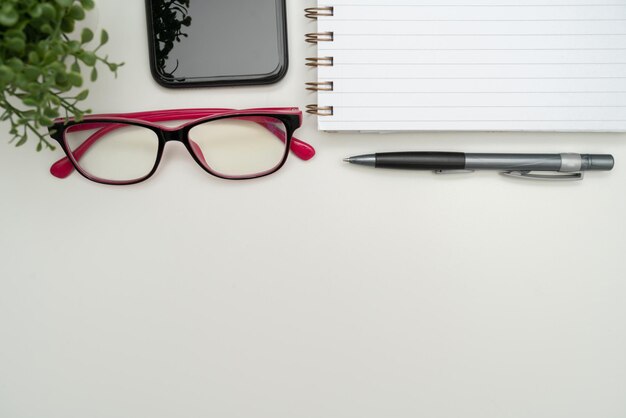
(347,159)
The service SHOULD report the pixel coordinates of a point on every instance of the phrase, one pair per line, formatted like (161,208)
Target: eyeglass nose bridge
(173,135)
(180,135)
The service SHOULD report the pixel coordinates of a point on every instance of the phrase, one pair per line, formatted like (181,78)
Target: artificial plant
(42,62)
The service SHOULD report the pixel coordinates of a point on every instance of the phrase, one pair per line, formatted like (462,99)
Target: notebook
(467,65)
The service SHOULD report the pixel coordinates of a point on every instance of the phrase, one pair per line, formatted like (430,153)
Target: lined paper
(505,65)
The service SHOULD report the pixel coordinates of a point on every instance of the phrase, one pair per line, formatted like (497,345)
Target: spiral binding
(315,38)
(320,110)
(314,13)
(320,86)
(320,61)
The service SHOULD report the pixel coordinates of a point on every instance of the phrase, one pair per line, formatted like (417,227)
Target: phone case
(166,25)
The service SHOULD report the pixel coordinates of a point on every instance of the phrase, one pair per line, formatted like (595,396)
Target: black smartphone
(217,42)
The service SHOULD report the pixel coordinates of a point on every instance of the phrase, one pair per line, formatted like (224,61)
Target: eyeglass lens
(240,147)
(113,151)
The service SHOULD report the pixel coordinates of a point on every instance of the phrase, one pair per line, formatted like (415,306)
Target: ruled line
(470,92)
(470,49)
(336,64)
(470,120)
(479,20)
(477,34)
(480,5)
(469,78)
(478,107)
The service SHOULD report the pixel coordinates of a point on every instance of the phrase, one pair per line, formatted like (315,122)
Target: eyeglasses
(126,148)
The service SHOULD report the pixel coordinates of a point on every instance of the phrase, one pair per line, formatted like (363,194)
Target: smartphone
(217,42)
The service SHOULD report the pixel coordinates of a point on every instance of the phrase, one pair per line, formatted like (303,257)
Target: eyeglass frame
(290,117)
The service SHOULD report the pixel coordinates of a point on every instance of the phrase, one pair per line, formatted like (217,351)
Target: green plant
(40,64)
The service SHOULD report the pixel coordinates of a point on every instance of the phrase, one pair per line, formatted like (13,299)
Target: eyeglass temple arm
(63,167)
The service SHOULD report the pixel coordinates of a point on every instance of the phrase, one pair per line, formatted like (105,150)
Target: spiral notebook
(466,65)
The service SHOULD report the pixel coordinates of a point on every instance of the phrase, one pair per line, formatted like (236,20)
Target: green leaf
(15,63)
(104,37)
(50,59)
(36,11)
(6,74)
(75,79)
(48,11)
(57,48)
(15,33)
(21,142)
(94,74)
(67,24)
(39,146)
(46,28)
(86,36)
(75,67)
(33,57)
(77,12)
(30,101)
(45,121)
(88,58)
(56,67)
(73,47)
(8,15)
(15,44)
(82,95)
(32,73)
(64,3)
(54,100)
(87,4)
(51,112)
(62,81)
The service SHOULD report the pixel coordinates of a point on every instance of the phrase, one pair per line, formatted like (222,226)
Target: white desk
(321,291)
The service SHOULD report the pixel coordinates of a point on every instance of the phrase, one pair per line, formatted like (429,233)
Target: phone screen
(217,41)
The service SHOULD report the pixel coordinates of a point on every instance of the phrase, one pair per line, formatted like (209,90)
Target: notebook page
(503,65)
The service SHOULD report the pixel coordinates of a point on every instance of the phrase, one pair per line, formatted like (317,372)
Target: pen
(570,165)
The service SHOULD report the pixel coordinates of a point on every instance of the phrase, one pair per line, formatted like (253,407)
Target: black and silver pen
(517,165)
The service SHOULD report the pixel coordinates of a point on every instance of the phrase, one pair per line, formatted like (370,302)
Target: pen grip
(421,160)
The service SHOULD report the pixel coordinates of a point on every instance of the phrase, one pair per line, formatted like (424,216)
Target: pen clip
(521,174)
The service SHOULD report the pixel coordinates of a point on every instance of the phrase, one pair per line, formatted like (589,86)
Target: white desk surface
(323,290)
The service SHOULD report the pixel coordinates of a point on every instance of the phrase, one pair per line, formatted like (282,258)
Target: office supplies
(217,42)
(467,65)
(570,165)
(126,148)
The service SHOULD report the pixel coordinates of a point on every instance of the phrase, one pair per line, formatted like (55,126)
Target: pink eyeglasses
(126,148)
